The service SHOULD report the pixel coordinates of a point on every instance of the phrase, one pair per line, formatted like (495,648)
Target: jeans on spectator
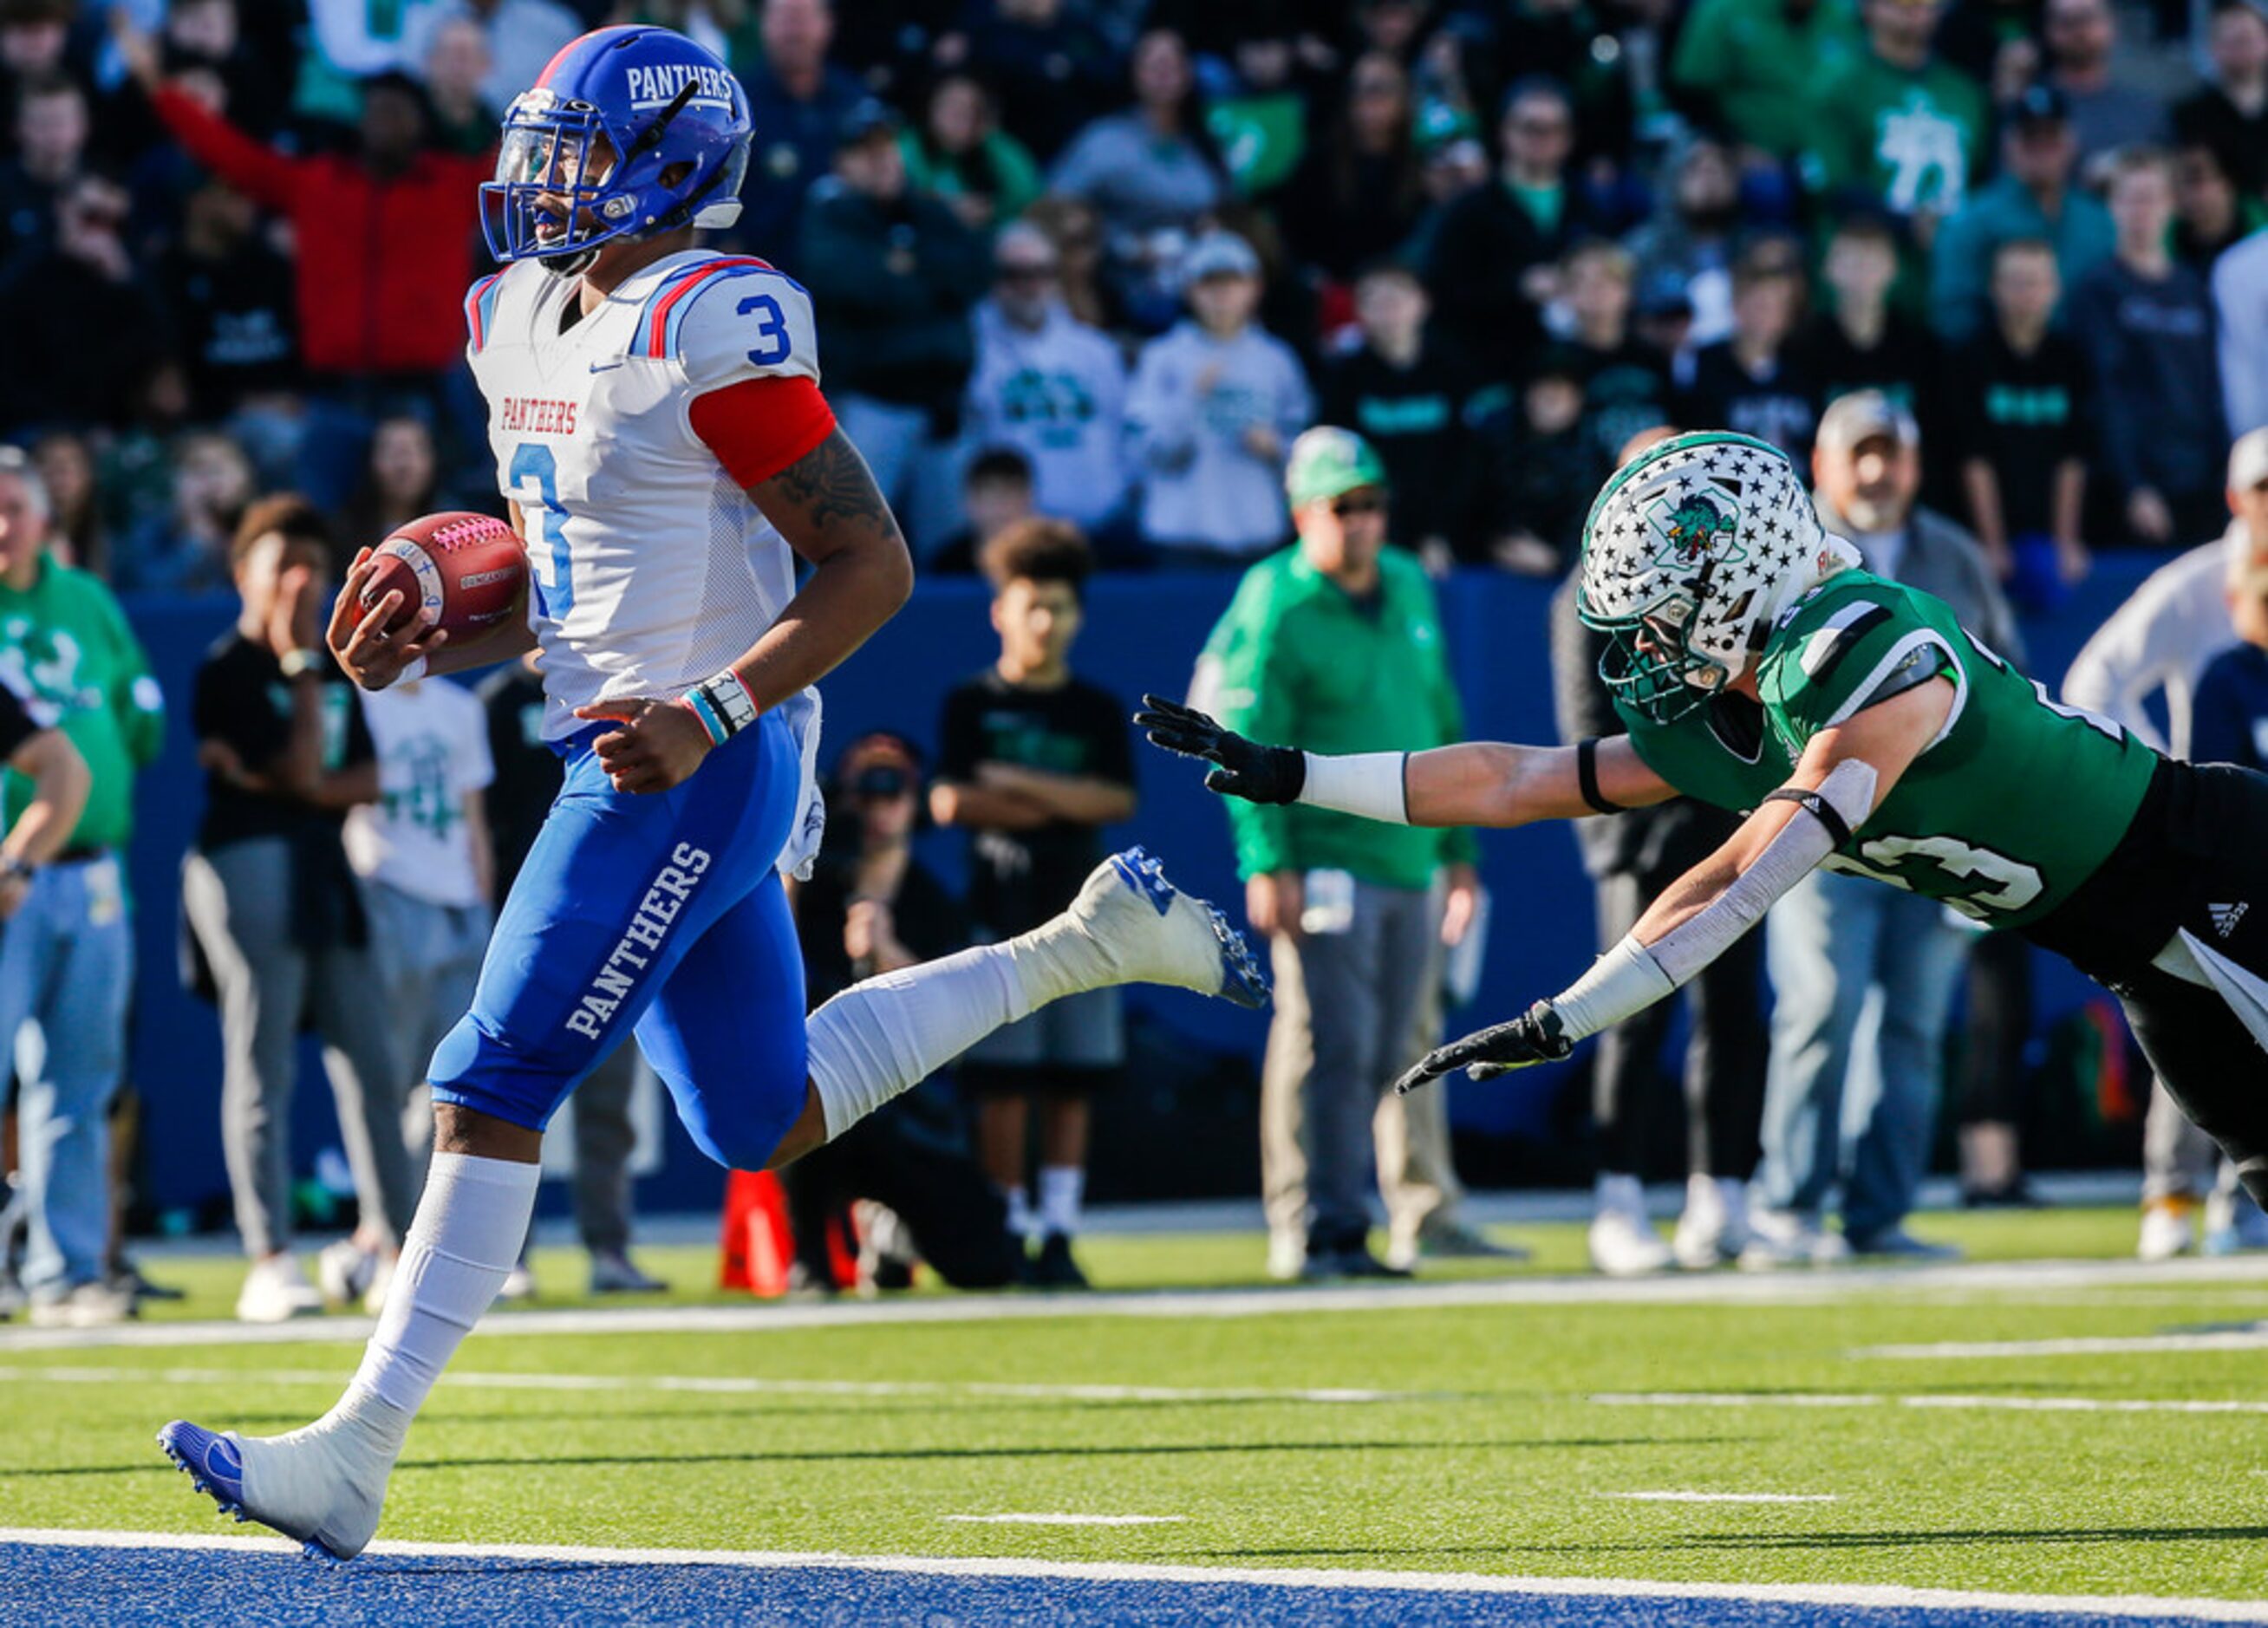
(916,470)
(1864,974)
(239,899)
(66,964)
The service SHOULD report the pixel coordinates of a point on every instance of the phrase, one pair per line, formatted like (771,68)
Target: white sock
(881,1038)
(1060,1188)
(465,1238)
(1021,1222)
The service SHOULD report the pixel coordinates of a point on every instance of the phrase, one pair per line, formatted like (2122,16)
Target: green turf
(1496,1462)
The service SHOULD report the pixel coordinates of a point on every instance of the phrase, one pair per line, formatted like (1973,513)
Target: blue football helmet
(630,132)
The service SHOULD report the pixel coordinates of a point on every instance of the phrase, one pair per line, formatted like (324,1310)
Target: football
(463,570)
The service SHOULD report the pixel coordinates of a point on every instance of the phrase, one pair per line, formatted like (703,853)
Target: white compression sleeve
(469,1227)
(1631,976)
(1368,783)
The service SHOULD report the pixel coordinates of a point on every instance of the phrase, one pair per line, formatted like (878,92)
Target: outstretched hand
(1242,768)
(1532,1037)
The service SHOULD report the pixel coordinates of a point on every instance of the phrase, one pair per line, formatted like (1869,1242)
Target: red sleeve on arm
(261,173)
(759,426)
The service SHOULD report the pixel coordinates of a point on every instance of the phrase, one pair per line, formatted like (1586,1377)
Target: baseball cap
(869,116)
(2040,104)
(1327,462)
(1861,416)
(1219,254)
(2248,461)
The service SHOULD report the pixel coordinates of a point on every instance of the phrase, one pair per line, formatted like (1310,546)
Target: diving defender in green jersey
(1856,726)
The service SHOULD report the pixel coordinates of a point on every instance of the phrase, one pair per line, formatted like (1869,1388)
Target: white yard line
(723,1384)
(1860,1399)
(1045,1519)
(1725,1498)
(2101,1346)
(1811,1287)
(1859,1595)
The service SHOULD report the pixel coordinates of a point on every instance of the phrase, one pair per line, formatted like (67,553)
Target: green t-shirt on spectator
(66,649)
(1909,141)
(1756,65)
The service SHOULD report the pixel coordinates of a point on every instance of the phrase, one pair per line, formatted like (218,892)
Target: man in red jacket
(383,234)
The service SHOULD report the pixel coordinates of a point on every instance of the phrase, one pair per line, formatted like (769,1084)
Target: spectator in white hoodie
(1048,385)
(1214,402)
(2160,642)
(2240,296)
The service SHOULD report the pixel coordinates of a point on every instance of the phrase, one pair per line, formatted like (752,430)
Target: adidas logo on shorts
(2225,917)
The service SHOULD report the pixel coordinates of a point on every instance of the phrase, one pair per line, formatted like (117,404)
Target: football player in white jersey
(658,428)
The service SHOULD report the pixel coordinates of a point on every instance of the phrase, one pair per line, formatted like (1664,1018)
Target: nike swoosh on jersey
(600,367)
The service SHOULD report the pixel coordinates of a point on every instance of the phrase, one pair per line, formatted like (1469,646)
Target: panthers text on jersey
(624,439)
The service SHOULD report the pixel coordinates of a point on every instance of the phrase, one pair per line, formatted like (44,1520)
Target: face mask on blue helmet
(631,132)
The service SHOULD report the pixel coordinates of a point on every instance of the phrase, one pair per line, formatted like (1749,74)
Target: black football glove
(1245,769)
(1532,1037)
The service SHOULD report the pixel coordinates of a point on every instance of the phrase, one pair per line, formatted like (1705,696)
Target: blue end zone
(51,1584)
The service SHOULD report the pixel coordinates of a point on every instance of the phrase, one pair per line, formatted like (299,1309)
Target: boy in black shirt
(1750,382)
(2020,407)
(1410,397)
(1033,764)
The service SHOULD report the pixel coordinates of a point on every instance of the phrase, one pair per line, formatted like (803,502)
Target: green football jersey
(2017,803)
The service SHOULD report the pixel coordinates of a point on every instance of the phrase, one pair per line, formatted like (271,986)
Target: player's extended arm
(1840,780)
(1480,783)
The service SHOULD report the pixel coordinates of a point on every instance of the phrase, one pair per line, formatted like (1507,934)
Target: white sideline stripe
(1801,1287)
(1860,1399)
(2097,1345)
(1070,1520)
(1878,1596)
(1725,1498)
(726,1385)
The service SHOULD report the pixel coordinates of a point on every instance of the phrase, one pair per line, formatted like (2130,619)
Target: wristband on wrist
(17,865)
(1368,783)
(722,703)
(298,663)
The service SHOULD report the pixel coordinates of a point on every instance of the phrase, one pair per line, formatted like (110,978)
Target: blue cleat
(211,1462)
(322,1486)
(1149,932)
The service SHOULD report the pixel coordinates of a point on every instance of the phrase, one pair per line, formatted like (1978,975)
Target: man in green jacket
(67,958)
(1338,639)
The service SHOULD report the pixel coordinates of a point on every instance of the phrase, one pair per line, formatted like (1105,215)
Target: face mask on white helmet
(1691,553)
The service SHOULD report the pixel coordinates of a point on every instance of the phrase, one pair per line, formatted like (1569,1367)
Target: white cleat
(2168,1229)
(323,1485)
(1624,1243)
(1714,1228)
(276,1290)
(343,1272)
(1148,931)
(1778,1238)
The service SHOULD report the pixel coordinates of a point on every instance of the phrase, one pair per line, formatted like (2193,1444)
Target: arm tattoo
(830,485)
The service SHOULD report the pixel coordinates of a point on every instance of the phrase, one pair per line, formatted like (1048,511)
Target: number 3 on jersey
(555,585)
(771,330)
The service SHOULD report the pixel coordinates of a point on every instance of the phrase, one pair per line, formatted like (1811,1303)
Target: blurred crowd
(1103,259)
(1089,275)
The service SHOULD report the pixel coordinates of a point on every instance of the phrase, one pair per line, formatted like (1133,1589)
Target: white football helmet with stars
(1691,553)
